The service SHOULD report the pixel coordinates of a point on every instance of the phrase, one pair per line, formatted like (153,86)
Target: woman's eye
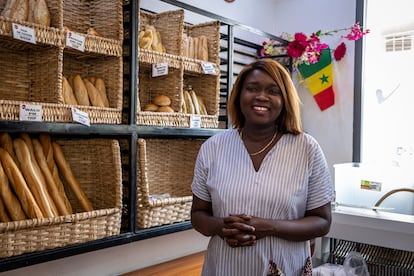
(251,89)
(275,92)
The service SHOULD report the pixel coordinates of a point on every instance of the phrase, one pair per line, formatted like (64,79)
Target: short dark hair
(289,120)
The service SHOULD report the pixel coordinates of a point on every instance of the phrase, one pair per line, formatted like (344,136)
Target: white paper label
(23,33)
(75,41)
(159,69)
(195,121)
(30,112)
(208,68)
(80,117)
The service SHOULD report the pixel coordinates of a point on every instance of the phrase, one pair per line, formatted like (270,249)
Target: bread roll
(4,217)
(7,143)
(81,93)
(151,107)
(52,187)
(67,91)
(46,143)
(20,10)
(11,203)
(162,100)
(41,13)
(100,85)
(93,93)
(34,179)
(64,168)
(165,109)
(25,196)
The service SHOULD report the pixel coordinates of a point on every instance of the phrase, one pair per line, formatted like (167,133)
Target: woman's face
(261,99)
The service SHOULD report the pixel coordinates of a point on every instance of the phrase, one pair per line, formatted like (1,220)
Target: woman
(261,190)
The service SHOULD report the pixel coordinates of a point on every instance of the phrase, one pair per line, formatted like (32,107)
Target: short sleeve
(201,171)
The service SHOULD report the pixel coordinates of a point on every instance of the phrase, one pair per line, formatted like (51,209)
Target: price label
(30,112)
(23,33)
(208,68)
(195,121)
(159,69)
(75,41)
(80,117)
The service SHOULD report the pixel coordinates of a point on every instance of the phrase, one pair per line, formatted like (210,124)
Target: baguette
(81,93)
(8,8)
(4,217)
(35,180)
(25,196)
(30,15)
(52,187)
(100,85)
(93,93)
(64,168)
(7,143)
(195,102)
(20,10)
(203,48)
(41,13)
(67,92)
(46,143)
(11,203)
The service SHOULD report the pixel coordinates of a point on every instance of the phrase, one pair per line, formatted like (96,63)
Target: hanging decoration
(313,59)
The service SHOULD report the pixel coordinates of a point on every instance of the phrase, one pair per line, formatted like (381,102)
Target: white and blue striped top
(293,177)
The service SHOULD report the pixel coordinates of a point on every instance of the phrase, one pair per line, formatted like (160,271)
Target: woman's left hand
(237,232)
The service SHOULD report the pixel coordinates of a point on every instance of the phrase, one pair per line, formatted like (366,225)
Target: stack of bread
(89,91)
(34,11)
(150,39)
(31,169)
(161,103)
(195,47)
(192,103)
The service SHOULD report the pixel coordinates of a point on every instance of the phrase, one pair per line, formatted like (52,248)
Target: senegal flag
(318,79)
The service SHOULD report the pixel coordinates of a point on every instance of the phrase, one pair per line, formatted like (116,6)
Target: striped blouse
(293,177)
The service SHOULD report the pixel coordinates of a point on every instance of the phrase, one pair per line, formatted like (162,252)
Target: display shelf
(129,131)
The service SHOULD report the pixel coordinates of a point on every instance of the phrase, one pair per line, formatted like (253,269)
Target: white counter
(373,227)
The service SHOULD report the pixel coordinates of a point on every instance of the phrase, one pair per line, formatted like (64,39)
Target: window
(384,114)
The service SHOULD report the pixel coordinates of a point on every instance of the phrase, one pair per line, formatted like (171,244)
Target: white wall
(332,127)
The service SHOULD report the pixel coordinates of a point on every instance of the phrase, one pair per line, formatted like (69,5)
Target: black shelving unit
(130,131)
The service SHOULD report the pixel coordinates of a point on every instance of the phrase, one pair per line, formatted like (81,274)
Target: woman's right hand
(237,232)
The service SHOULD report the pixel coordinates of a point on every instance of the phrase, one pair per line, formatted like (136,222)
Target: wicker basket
(96,164)
(170,85)
(40,82)
(165,173)
(52,35)
(212,31)
(170,24)
(105,16)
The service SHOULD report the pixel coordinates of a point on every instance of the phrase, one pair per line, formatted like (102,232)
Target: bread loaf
(93,93)
(11,203)
(34,178)
(25,196)
(41,13)
(145,39)
(52,187)
(65,169)
(20,10)
(100,85)
(7,143)
(4,217)
(67,92)
(46,143)
(81,93)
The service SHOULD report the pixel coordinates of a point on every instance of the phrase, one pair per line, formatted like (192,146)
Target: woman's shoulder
(222,136)
(302,138)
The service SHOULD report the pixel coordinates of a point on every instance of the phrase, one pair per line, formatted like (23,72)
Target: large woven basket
(96,164)
(212,31)
(39,70)
(105,16)
(165,172)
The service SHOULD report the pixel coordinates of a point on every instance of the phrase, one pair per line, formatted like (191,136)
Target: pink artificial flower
(340,51)
(356,33)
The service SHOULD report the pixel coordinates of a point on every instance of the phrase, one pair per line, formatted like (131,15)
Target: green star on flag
(318,79)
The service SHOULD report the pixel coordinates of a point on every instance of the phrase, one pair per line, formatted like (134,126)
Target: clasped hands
(237,231)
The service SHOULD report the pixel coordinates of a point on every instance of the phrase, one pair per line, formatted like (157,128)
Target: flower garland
(307,49)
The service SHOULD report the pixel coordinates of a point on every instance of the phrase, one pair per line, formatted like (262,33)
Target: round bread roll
(151,107)
(165,109)
(162,100)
